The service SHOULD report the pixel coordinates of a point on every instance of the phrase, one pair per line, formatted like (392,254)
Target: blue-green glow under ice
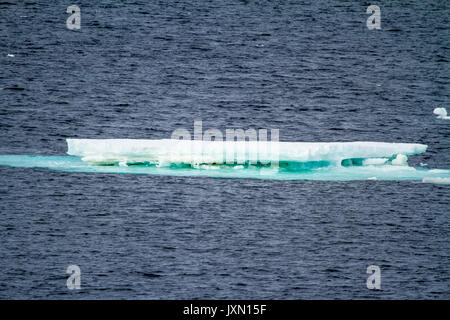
(286,171)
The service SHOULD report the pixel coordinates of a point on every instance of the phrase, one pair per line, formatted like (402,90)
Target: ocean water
(140,70)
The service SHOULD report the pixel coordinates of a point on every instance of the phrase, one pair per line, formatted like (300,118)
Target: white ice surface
(168,151)
(375,161)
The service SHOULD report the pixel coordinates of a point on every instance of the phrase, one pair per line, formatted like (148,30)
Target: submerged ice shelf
(328,173)
(339,161)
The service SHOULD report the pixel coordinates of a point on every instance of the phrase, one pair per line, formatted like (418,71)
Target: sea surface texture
(142,69)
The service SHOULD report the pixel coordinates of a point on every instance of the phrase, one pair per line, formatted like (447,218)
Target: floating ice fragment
(400,160)
(441,113)
(436,180)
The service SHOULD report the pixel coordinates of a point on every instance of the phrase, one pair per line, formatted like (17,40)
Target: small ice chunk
(10,55)
(441,113)
(400,160)
(372,178)
(123,164)
(436,180)
(163,162)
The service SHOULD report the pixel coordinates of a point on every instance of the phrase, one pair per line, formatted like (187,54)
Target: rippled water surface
(141,69)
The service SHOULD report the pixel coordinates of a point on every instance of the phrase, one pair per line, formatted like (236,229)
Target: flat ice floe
(191,152)
(336,161)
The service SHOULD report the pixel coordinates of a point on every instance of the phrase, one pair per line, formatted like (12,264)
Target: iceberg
(167,152)
(334,161)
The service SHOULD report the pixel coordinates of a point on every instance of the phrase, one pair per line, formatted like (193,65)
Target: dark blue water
(311,69)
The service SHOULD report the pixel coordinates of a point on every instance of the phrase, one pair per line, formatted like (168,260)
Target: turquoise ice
(291,171)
